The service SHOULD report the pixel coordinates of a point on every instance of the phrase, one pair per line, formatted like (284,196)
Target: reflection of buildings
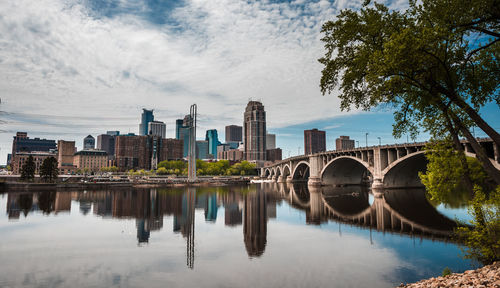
(255,223)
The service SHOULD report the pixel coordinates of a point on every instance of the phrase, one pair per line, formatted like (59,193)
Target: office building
(274,154)
(91,160)
(21,157)
(213,141)
(314,141)
(270,141)
(65,152)
(88,142)
(141,152)
(234,133)
(22,143)
(344,143)
(255,131)
(202,150)
(146,117)
(106,142)
(178,126)
(157,128)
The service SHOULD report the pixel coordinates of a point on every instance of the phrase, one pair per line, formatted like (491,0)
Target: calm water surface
(263,235)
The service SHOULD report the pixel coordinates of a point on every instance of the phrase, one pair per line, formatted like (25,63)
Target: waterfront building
(270,141)
(93,160)
(255,131)
(233,155)
(234,133)
(274,154)
(21,157)
(65,153)
(344,143)
(22,143)
(88,142)
(213,142)
(202,150)
(141,152)
(157,128)
(146,117)
(314,141)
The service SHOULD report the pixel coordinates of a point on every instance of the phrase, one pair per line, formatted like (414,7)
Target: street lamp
(366,135)
(379,141)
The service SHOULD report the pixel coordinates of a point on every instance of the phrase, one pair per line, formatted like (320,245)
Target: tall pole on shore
(366,135)
(192,144)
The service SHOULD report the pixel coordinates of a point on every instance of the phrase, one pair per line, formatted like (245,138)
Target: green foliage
(28,170)
(446,271)
(444,178)
(48,170)
(216,168)
(111,169)
(483,238)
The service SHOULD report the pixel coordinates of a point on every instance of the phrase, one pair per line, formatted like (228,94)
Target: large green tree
(28,169)
(48,169)
(437,63)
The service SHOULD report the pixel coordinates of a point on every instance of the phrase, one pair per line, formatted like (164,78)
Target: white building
(157,128)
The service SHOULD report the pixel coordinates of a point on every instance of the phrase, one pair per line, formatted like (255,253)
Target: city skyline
(113,62)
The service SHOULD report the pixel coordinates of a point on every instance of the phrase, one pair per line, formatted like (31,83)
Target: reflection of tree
(26,203)
(46,201)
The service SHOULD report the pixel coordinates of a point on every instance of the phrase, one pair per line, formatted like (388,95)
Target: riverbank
(13,186)
(487,276)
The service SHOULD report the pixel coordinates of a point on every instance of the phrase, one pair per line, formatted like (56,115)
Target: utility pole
(379,141)
(192,144)
(366,135)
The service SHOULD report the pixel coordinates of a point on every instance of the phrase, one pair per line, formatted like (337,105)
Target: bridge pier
(289,179)
(315,167)
(281,179)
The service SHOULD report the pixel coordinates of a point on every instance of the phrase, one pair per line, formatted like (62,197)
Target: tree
(28,170)
(436,63)
(48,169)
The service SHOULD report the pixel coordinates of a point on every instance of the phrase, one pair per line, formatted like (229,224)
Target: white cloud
(58,58)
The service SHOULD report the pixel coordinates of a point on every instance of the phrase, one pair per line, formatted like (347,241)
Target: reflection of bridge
(400,210)
(389,166)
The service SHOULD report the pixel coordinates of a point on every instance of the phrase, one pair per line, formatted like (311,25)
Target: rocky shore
(488,276)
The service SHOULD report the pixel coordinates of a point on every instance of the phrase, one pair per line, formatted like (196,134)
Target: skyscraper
(213,142)
(314,141)
(255,131)
(89,142)
(146,117)
(178,126)
(234,133)
(157,128)
(106,142)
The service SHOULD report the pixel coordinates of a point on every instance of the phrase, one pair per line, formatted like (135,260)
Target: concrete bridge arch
(345,170)
(301,171)
(404,171)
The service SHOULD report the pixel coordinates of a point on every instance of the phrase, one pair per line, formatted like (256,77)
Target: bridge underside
(405,173)
(344,172)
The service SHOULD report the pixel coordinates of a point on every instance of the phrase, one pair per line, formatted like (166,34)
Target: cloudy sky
(69,68)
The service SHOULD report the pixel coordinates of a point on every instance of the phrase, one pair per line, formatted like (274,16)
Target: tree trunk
(480,154)
(494,135)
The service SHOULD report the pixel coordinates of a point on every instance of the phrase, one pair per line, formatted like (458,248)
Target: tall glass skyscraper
(213,142)
(146,117)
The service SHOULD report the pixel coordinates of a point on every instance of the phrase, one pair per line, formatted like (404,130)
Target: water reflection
(402,211)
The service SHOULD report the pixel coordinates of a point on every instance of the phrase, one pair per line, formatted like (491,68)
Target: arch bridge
(387,166)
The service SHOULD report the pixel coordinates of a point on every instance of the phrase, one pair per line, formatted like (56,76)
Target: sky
(69,68)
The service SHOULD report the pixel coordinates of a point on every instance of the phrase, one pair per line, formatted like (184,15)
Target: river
(260,235)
